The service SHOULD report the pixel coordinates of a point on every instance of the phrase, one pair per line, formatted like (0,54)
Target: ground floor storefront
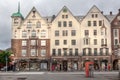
(32,64)
(62,64)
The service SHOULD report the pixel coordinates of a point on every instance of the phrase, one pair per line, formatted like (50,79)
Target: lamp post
(6,60)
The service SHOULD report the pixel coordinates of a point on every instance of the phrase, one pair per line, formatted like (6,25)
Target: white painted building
(62,42)
(95,37)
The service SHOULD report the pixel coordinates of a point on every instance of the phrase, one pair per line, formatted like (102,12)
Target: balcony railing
(33,36)
(103,45)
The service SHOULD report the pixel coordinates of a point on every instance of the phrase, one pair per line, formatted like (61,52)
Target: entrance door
(65,65)
(43,66)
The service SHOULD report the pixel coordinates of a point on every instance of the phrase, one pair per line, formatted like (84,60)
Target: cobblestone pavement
(58,76)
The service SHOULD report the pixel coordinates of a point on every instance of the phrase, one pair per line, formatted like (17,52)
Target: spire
(19,7)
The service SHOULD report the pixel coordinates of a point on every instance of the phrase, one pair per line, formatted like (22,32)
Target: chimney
(110,12)
(119,10)
(102,12)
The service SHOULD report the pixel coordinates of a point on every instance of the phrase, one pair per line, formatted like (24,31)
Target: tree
(5,55)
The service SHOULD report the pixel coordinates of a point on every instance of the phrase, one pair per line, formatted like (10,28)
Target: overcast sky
(47,8)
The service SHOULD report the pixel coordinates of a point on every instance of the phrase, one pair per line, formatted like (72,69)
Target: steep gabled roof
(33,9)
(64,9)
(94,9)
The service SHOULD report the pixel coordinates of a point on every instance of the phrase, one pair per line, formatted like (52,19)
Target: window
(53,52)
(24,43)
(73,33)
(59,23)
(100,23)
(96,15)
(89,23)
(95,41)
(76,52)
(86,41)
(116,42)
(33,42)
(84,52)
(33,34)
(94,23)
(59,52)
(56,42)
(65,52)
(86,32)
(70,23)
(105,41)
(43,52)
(89,51)
(95,33)
(65,33)
(63,16)
(101,51)
(102,41)
(43,33)
(24,34)
(73,42)
(29,24)
(43,42)
(65,42)
(64,24)
(115,32)
(66,16)
(92,15)
(107,51)
(38,24)
(33,52)
(16,21)
(56,33)
(70,52)
(95,51)
(24,52)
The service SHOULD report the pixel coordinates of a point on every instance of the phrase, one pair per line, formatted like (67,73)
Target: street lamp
(6,60)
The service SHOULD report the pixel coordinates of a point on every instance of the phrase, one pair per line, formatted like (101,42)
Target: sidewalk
(81,72)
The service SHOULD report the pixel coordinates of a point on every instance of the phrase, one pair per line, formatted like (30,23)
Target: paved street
(57,76)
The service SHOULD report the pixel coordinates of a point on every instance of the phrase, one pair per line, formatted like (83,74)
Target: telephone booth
(88,68)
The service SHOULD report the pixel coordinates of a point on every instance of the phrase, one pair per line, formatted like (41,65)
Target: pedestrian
(109,67)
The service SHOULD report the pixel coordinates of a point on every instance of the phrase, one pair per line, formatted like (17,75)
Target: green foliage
(5,55)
